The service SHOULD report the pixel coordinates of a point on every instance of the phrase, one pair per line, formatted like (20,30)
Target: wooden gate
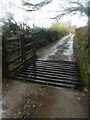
(15,53)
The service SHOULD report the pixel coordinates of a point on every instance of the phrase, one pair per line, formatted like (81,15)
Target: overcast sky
(41,17)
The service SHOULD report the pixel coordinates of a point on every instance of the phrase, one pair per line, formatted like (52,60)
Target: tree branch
(34,7)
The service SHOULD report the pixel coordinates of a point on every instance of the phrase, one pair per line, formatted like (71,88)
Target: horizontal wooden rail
(13,50)
(20,65)
(18,50)
(13,40)
(29,44)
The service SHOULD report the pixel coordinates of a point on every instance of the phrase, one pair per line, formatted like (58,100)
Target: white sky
(41,17)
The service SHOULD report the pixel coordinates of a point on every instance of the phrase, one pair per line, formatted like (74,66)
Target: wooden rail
(16,51)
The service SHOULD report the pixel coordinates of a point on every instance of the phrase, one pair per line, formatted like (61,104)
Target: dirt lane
(61,50)
(29,100)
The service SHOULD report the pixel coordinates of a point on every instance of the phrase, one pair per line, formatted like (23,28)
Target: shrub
(60,29)
(40,36)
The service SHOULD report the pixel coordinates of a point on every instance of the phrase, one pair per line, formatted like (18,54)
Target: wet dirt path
(29,100)
(61,50)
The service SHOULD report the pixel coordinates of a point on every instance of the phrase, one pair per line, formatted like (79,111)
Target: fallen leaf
(78,98)
(85,89)
(34,106)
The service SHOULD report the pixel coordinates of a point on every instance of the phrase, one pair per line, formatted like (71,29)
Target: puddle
(69,49)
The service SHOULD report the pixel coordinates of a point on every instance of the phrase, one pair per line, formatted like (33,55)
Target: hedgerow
(40,36)
(82,49)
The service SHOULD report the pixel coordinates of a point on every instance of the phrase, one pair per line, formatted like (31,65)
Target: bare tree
(34,7)
(74,8)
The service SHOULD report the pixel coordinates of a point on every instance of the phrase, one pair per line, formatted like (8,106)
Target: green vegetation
(43,36)
(82,49)
(60,29)
(11,28)
(40,36)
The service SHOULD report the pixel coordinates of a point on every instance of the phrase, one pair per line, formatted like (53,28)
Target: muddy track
(61,50)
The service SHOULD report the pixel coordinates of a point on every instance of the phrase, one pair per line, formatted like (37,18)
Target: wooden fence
(16,51)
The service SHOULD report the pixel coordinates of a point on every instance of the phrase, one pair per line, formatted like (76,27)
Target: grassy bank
(82,49)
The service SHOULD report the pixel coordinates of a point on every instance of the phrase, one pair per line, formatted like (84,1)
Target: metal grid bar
(59,74)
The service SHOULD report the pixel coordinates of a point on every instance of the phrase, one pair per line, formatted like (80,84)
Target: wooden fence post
(34,46)
(34,56)
(23,51)
(5,69)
